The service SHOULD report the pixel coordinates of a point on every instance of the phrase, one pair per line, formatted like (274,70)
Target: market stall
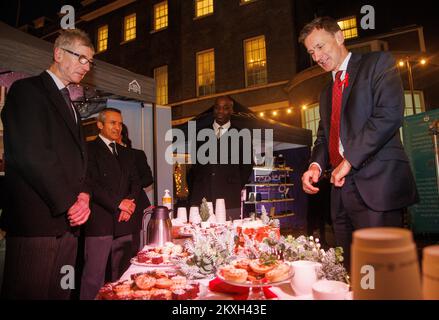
(22,55)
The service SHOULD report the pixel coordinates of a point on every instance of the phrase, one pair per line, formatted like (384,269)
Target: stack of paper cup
(212,217)
(384,265)
(182,214)
(194,215)
(220,210)
(430,273)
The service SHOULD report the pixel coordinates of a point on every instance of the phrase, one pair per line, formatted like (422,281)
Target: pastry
(235,275)
(279,273)
(261,268)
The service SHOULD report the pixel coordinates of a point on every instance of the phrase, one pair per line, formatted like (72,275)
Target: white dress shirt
(60,86)
(224,128)
(107,142)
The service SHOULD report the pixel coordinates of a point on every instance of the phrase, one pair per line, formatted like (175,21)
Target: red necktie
(334,133)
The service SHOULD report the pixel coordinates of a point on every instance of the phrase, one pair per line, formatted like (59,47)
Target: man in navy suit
(114,184)
(45,173)
(361,111)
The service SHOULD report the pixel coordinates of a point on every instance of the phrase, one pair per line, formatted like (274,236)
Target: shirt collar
(224,126)
(107,142)
(343,67)
(58,82)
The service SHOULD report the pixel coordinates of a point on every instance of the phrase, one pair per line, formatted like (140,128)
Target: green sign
(418,142)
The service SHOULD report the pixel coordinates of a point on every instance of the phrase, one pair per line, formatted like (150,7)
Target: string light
(261,114)
(289,111)
(274,113)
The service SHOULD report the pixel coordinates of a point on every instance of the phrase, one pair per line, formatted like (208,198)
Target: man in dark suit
(361,112)
(114,185)
(45,172)
(146,179)
(223,178)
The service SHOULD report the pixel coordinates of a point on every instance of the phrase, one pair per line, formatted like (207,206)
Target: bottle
(167,200)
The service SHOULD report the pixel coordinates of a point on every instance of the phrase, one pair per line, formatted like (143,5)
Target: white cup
(182,214)
(305,275)
(194,215)
(384,265)
(220,210)
(330,290)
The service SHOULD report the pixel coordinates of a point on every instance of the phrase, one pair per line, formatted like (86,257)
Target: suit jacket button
(213,174)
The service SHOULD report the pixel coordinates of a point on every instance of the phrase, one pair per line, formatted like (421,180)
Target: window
(419,102)
(349,27)
(311,118)
(161,84)
(102,44)
(203,7)
(161,15)
(130,27)
(255,61)
(205,72)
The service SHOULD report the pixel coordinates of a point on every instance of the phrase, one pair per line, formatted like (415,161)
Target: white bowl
(330,290)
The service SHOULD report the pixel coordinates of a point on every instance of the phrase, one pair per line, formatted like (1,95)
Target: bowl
(330,290)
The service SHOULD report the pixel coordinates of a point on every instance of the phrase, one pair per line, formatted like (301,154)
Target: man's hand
(80,211)
(124,216)
(127,205)
(309,177)
(339,174)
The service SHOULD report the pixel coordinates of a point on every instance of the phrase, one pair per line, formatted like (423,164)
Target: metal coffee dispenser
(159,228)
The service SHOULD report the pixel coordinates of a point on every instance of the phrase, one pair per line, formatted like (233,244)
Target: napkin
(239,293)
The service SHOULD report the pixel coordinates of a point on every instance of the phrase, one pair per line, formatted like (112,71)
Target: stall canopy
(284,136)
(25,53)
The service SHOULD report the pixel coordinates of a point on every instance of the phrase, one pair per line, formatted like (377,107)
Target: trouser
(350,213)
(39,267)
(98,252)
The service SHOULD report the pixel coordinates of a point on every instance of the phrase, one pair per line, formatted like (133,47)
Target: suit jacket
(146,179)
(110,180)
(372,113)
(45,157)
(215,181)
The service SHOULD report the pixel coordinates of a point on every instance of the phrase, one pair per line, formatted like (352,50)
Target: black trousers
(35,267)
(100,251)
(350,213)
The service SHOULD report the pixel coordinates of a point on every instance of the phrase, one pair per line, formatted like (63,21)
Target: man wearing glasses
(45,172)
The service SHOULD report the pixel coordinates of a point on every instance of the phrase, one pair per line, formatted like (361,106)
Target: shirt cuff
(320,168)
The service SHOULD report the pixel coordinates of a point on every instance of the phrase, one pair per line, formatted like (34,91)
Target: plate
(261,283)
(144,264)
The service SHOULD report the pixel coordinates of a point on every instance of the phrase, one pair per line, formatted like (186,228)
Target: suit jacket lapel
(326,110)
(60,105)
(352,71)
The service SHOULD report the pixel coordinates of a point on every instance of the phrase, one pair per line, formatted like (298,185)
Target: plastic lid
(431,254)
(382,237)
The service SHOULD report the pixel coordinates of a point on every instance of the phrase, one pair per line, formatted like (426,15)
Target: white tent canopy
(25,53)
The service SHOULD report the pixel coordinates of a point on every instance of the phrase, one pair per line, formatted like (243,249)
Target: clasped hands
(338,175)
(80,211)
(127,207)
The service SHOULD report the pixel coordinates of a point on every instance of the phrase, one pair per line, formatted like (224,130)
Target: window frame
(155,17)
(348,18)
(204,15)
(157,83)
(197,54)
(124,30)
(99,40)
(245,62)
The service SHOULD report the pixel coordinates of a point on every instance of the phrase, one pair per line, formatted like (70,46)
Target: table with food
(243,259)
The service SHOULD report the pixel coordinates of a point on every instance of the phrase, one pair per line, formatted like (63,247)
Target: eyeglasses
(81,58)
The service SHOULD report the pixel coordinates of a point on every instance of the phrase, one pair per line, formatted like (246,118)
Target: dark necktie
(334,133)
(113,148)
(66,95)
